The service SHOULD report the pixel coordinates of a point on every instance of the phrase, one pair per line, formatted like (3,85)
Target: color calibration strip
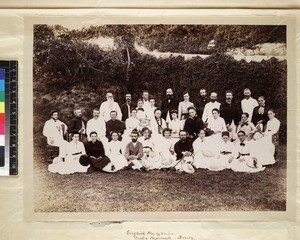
(8,118)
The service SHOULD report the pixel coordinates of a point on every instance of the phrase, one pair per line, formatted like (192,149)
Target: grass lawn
(152,191)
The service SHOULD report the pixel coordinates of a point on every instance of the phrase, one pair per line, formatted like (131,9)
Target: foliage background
(69,70)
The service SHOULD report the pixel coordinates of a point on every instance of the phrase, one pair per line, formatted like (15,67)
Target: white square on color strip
(2,140)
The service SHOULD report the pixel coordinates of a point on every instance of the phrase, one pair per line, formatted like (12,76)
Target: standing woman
(183,107)
(265,147)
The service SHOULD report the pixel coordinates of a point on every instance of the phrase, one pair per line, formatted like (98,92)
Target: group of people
(178,135)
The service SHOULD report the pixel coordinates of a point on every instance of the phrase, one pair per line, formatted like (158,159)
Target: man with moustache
(260,114)
(168,104)
(114,125)
(231,113)
(55,131)
(134,151)
(207,112)
(248,103)
(96,124)
(201,102)
(108,106)
(78,124)
(127,107)
(184,151)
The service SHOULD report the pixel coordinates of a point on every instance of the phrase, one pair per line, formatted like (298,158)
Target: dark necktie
(242,144)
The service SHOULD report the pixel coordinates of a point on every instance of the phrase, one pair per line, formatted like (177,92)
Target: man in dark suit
(127,107)
(168,104)
(78,124)
(260,114)
(231,112)
(114,125)
(200,102)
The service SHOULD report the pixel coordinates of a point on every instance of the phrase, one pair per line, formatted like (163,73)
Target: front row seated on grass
(144,153)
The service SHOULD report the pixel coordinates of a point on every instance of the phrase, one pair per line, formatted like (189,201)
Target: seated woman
(150,159)
(175,125)
(264,146)
(246,126)
(130,124)
(95,156)
(245,158)
(225,154)
(144,120)
(204,151)
(217,125)
(75,149)
(166,149)
(114,149)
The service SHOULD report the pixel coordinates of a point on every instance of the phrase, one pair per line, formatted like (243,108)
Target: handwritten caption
(151,235)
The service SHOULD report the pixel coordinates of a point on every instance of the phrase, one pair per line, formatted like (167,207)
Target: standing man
(108,106)
(96,124)
(201,102)
(146,102)
(55,131)
(127,107)
(231,113)
(248,103)
(168,104)
(78,124)
(114,125)
(260,114)
(207,112)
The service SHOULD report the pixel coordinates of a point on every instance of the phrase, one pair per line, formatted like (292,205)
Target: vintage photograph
(159,118)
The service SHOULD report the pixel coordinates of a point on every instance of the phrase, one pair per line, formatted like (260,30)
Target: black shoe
(90,170)
(113,167)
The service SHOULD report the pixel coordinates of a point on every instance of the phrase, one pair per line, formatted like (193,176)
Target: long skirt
(70,165)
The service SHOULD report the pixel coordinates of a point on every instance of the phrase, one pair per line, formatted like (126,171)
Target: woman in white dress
(166,149)
(114,152)
(75,149)
(217,125)
(151,159)
(245,156)
(265,147)
(225,154)
(204,151)
(144,120)
(246,126)
(175,125)
(183,106)
(130,124)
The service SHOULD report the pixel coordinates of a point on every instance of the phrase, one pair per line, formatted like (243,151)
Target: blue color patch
(2,74)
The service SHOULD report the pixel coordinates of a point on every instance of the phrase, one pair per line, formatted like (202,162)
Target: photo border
(157,17)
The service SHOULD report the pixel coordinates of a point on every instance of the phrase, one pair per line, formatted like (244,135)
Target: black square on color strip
(2,157)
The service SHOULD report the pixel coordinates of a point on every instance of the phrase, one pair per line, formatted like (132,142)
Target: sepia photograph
(159,118)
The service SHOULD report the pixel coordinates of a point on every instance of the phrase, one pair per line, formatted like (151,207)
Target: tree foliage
(69,71)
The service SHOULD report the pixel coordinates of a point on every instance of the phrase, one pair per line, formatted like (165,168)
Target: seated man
(183,149)
(55,131)
(95,156)
(134,151)
(114,125)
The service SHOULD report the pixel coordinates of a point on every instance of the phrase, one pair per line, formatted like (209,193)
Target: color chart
(8,118)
